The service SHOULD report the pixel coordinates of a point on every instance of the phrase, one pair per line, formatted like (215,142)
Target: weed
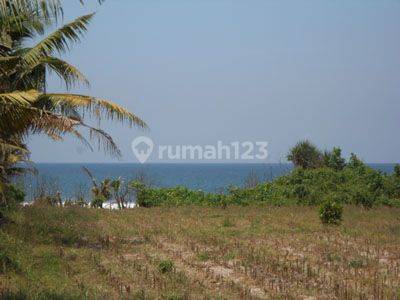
(227,222)
(203,256)
(355,263)
(166,266)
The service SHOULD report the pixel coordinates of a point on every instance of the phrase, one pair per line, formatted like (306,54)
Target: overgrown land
(199,252)
(330,229)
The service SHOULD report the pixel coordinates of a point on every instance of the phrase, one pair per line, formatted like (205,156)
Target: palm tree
(46,9)
(101,192)
(25,106)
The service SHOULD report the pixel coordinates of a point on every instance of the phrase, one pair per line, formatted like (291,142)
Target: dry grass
(238,252)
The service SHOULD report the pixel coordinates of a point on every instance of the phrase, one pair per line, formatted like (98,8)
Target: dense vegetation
(353,183)
(333,183)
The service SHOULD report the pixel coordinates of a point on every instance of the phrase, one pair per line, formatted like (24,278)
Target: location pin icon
(142,147)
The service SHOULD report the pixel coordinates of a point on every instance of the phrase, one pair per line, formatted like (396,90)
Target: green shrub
(391,186)
(396,170)
(203,256)
(176,196)
(355,162)
(7,263)
(333,159)
(384,200)
(9,248)
(363,197)
(166,266)
(305,155)
(98,201)
(301,191)
(14,195)
(356,263)
(330,211)
(355,182)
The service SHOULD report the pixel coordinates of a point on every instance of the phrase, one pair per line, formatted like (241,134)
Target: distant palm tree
(25,106)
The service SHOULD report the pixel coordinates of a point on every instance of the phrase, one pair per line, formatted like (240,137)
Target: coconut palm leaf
(7,147)
(55,126)
(104,141)
(22,98)
(46,9)
(69,74)
(97,108)
(58,41)
(87,171)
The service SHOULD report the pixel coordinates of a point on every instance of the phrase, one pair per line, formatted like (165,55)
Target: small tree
(121,191)
(330,211)
(334,160)
(116,186)
(100,192)
(397,170)
(305,155)
(355,162)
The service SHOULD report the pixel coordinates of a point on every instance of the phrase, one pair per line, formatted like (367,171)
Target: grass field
(199,252)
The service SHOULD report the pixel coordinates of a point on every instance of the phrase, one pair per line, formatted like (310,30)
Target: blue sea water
(70,178)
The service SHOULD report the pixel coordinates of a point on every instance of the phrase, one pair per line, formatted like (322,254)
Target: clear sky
(199,71)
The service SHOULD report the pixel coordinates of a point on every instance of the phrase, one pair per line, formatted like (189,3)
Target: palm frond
(69,73)
(55,126)
(58,41)
(97,108)
(7,147)
(65,71)
(87,171)
(23,98)
(45,8)
(52,124)
(104,141)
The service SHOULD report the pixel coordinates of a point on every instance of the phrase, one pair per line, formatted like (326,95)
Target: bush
(396,171)
(176,196)
(330,211)
(14,195)
(9,248)
(363,197)
(334,160)
(7,263)
(97,201)
(355,162)
(305,155)
(165,266)
(352,183)
(384,200)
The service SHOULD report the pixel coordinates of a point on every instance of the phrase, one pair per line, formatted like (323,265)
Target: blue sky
(202,71)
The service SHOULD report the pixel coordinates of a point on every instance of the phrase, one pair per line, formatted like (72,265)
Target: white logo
(142,147)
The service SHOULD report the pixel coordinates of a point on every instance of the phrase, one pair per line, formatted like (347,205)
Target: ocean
(70,179)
